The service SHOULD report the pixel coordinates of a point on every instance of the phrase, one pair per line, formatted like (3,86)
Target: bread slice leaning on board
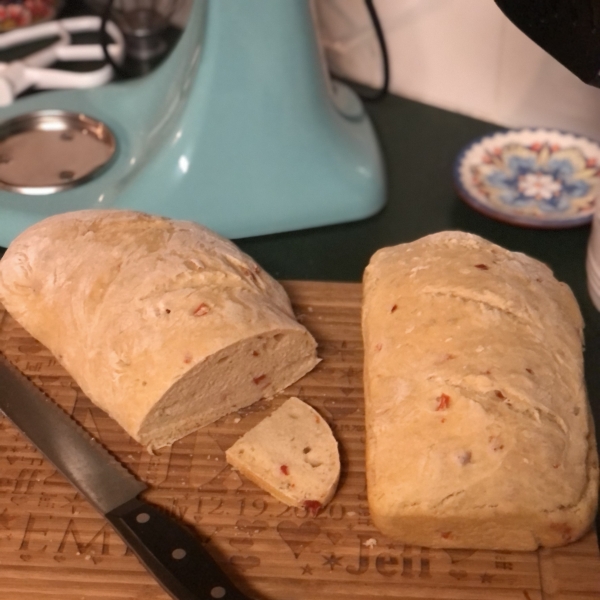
(164,325)
(479,432)
(292,454)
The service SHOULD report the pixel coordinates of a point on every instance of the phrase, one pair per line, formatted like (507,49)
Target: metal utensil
(569,30)
(143,22)
(71,149)
(173,555)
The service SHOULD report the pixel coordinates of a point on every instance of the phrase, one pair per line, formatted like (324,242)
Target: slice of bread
(291,454)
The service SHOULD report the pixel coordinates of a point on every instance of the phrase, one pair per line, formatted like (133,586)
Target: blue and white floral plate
(531,177)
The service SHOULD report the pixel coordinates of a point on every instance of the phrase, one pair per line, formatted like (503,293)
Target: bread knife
(166,547)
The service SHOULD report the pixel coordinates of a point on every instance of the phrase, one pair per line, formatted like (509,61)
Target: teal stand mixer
(240,128)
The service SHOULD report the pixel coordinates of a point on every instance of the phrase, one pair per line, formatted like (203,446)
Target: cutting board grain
(54,545)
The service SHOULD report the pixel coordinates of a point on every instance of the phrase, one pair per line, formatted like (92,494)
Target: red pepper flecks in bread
(478,429)
(163,324)
(292,454)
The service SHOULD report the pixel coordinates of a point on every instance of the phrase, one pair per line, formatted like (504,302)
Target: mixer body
(240,128)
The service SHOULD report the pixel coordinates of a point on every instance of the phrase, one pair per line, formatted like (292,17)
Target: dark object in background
(142,22)
(568,30)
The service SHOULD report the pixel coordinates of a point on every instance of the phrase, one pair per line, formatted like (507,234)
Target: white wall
(462,55)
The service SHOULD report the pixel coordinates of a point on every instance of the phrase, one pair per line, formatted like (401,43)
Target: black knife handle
(172,553)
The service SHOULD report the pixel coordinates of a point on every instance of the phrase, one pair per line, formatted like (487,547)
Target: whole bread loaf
(163,324)
(479,432)
(292,454)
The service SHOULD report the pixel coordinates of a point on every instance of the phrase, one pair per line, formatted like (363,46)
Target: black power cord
(105,41)
(383,91)
(385,60)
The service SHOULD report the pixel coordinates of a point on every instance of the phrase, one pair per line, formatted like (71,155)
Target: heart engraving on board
(334,536)
(251,527)
(338,408)
(456,555)
(297,537)
(458,575)
(244,562)
(241,543)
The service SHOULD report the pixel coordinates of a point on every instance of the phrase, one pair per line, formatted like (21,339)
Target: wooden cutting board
(54,545)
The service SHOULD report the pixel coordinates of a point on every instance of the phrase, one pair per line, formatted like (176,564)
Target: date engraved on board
(229,513)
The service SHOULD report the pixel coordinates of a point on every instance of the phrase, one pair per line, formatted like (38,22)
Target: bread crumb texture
(163,324)
(292,454)
(479,432)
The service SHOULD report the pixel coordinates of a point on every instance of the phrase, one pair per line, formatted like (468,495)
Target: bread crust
(292,454)
(164,324)
(474,384)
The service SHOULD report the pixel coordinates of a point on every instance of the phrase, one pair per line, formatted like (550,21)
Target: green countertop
(420,144)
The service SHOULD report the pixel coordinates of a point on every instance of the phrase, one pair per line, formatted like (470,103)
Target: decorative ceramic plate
(531,177)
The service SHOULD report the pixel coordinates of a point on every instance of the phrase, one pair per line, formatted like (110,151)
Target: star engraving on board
(486,578)
(333,561)
(307,570)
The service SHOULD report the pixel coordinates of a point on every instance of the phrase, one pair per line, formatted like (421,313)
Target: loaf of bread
(291,454)
(479,432)
(163,324)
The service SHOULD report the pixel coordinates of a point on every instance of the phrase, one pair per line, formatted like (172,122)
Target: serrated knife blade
(92,470)
(168,549)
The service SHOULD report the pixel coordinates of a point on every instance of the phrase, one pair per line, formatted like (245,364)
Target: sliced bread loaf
(164,324)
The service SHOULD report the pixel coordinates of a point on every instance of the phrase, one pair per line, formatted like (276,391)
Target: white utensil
(32,72)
